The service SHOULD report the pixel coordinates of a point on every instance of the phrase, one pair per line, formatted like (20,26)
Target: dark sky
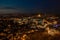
(29,6)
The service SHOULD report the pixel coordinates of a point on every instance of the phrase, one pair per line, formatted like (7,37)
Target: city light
(20,28)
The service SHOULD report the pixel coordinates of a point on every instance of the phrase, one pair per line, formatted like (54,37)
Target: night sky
(30,6)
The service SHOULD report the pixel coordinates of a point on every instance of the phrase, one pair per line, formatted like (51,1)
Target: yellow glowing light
(39,15)
(24,37)
(52,32)
(55,22)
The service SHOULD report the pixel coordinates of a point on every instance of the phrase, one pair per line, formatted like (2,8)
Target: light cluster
(18,28)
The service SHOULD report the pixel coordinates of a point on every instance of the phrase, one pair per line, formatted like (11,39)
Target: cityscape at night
(29,19)
(37,27)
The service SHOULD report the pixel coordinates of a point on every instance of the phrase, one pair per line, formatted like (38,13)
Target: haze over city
(29,6)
